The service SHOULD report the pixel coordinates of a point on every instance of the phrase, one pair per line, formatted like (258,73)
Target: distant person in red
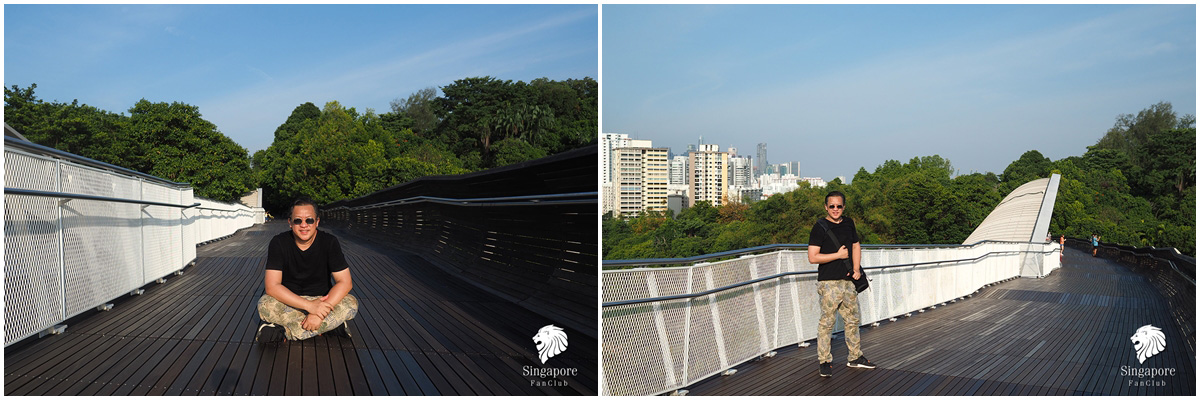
(300,262)
(1062,245)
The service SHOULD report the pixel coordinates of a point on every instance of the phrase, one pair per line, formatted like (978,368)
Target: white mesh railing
(215,220)
(79,233)
(652,345)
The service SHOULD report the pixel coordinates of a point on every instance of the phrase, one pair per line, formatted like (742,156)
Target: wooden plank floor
(1066,334)
(418,331)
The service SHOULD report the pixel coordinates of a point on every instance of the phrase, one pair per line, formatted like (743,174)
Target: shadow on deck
(419,330)
(1066,334)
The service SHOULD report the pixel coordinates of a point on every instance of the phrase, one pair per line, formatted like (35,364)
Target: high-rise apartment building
(708,175)
(678,172)
(640,176)
(608,200)
(739,171)
(762,160)
(608,142)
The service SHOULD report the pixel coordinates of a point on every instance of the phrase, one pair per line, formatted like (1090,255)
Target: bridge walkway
(1065,334)
(419,330)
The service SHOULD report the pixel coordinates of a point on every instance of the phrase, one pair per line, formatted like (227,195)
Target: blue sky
(247,66)
(847,86)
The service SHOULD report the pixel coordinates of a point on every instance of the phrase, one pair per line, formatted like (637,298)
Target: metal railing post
(62,260)
(142,227)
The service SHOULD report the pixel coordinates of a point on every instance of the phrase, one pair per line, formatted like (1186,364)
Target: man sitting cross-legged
(300,262)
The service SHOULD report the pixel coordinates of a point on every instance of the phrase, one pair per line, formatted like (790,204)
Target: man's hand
(842,253)
(312,322)
(319,308)
(857,274)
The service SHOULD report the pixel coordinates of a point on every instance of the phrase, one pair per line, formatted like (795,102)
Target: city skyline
(792,166)
(892,82)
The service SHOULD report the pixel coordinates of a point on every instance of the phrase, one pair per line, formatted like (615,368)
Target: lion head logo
(1148,341)
(550,340)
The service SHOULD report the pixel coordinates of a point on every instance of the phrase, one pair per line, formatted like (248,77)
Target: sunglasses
(309,221)
(836,207)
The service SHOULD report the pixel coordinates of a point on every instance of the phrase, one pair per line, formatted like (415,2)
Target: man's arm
(857,260)
(342,285)
(340,288)
(274,287)
(815,256)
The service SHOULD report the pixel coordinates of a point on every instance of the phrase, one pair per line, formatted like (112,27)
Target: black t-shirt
(308,272)
(847,235)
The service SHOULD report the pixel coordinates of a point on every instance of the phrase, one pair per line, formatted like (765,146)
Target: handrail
(780,275)
(1169,262)
(510,231)
(41,193)
(770,247)
(219,209)
(14,142)
(574,198)
(1117,247)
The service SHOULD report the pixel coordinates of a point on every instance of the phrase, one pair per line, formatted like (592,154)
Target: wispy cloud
(985,98)
(261,73)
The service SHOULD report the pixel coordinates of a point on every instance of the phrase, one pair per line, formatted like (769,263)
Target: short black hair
(837,194)
(304,201)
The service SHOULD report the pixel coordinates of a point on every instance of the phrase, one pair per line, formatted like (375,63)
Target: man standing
(300,262)
(837,270)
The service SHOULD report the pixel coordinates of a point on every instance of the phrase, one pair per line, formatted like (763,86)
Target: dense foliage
(337,153)
(171,141)
(328,153)
(1135,186)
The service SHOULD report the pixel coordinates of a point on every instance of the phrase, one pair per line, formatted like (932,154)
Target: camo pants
(291,319)
(840,296)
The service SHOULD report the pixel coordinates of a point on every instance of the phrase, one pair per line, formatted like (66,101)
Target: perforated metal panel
(189,225)
(206,221)
(33,298)
(174,220)
(655,347)
(632,345)
(64,256)
(156,233)
(102,239)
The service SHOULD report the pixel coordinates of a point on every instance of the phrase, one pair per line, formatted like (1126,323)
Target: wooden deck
(1066,334)
(418,331)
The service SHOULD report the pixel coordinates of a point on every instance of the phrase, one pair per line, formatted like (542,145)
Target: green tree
(470,113)
(1032,165)
(303,114)
(1168,163)
(420,109)
(514,150)
(176,143)
(1106,159)
(341,154)
(71,127)
(1129,131)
